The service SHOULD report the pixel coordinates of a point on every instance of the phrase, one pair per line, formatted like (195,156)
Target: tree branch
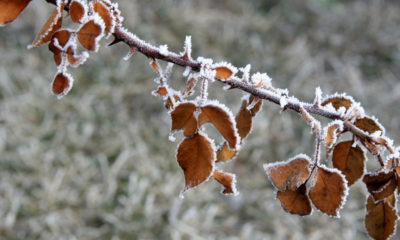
(152,52)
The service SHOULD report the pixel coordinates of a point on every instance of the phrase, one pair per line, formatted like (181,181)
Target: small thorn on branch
(115,41)
(131,52)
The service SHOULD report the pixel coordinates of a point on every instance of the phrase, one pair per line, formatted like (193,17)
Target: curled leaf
(183,118)
(10,10)
(52,24)
(295,201)
(289,175)
(328,191)
(338,102)
(105,13)
(224,153)
(196,157)
(218,115)
(228,180)
(349,160)
(369,125)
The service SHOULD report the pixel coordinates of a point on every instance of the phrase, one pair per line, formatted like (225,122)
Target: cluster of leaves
(95,19)
(301,181)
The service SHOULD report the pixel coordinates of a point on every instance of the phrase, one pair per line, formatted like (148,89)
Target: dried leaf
(223,72)
(90,33)
(77,11)
(338,102)
(169,104)
(331,134)
(385,190)
(378,181)
(183,118)
(228,180)
(369,125)
(349,160)
(225,153)
(244,122)
(289,175)
(295,201)
(328,191)
(222,119)
(380,220)
(106,15)
(10,10)
(62,83)
(196,157)
(52,24)
(256,103)
(162,91)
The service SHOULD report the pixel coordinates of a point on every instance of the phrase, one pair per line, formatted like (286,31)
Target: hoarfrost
(318,96)
(246,73)
(261,79)
(164,50)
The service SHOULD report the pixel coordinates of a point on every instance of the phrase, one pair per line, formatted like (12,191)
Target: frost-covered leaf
(171,101)
(225,153)
(295,201)
(183,118)
(328,190)
(10,10)
(381,219)
(78,11)
(196,157)
(52,24)
(369,125)
(380,184)
(222,118)
(224,70)
(106,15)
(228,180)
(338,101)
(291,174)
(349,160)
(261,80)
(244,122)
(62,83)
(332,133)
(161,91)
(90,33)
(255,105)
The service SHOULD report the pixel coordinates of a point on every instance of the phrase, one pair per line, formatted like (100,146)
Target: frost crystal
(187,48)
(187,71)
(261,79)
(164,50)
(318,96)
(246,72)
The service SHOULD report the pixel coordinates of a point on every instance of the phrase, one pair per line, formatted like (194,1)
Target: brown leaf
(289,175)
(244,122)
(162,91)
(369,125)
(329,190)
(228,180)
(10,10)
(90,33)
(386,190)
(169,104)
(379,182)
(222,119)
(105,14)
(349,160)
(332,133)
(223,72)
(52,24)
(62,83)
(196,157)
(295,201)
(257,106)
(225,153)
(380,220)
(183,118)
(338,102)
(77,11)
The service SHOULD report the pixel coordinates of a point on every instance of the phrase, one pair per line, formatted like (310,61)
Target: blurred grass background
(98,163)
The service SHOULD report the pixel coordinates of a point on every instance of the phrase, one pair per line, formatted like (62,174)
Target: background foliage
(98,165)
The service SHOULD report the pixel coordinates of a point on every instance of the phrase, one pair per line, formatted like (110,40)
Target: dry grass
(98,164)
